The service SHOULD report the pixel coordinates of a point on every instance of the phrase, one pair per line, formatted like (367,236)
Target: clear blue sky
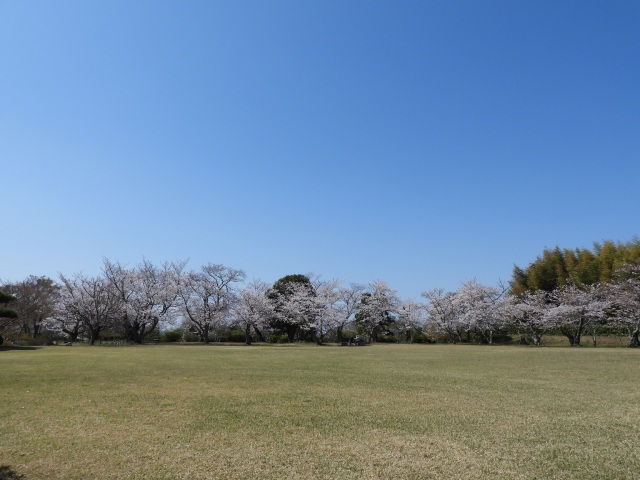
(418,142)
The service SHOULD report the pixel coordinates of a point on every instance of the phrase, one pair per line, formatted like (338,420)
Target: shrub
(190,337)
(172,336)
(502,339)
(236,335)
(39,340)
(421,337)
(347,334)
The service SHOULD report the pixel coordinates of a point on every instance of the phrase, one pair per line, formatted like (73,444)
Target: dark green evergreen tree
(7,315)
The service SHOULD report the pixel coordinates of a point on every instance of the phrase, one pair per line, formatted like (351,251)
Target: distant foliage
(557,268)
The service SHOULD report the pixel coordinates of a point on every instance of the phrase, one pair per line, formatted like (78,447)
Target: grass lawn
(274,412)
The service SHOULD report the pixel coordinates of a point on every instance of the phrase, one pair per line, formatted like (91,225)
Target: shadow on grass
(7,473)
(14,347)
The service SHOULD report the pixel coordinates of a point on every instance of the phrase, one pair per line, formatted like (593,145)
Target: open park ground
(308,412)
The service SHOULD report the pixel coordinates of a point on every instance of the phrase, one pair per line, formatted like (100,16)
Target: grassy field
(273,412)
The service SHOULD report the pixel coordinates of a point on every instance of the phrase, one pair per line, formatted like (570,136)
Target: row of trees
(135,303)
(480,312)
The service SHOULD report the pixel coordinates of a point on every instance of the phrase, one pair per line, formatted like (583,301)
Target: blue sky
(418,142)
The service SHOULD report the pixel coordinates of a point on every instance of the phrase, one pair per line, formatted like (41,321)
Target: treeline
(566,292)
(140,303)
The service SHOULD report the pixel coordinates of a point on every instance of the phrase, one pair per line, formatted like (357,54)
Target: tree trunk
(36,329)
(135,332)
(94,334)
(578,335)
(259,333)
(574,336)
(247,334)
(634,341)
(320,334)
(571,336)
(140,333)
(72,334)
(205,334)
(291,333)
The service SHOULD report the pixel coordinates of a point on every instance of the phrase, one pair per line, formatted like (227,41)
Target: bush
(190,337)
(275,338)
(27,340)
(386,338)
(38,341)
(502,339)
(421,337)
(172,336)
(222,334)
(236,335)
(347,334)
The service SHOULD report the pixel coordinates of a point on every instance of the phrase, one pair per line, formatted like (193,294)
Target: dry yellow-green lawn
(274,412)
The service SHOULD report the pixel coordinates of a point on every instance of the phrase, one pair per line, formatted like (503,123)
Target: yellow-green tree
(557,268)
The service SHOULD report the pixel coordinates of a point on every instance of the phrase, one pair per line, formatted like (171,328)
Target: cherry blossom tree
(472,309)
(92,302)
(328,312)
(411,317)
(207,297)
(298,309)
(442,312)
(624,295)
(294,306)
(478,309)
(576,309)
(147,294)
(253,309)
(62,322)
(527,313)
(379,307)
(349,301)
